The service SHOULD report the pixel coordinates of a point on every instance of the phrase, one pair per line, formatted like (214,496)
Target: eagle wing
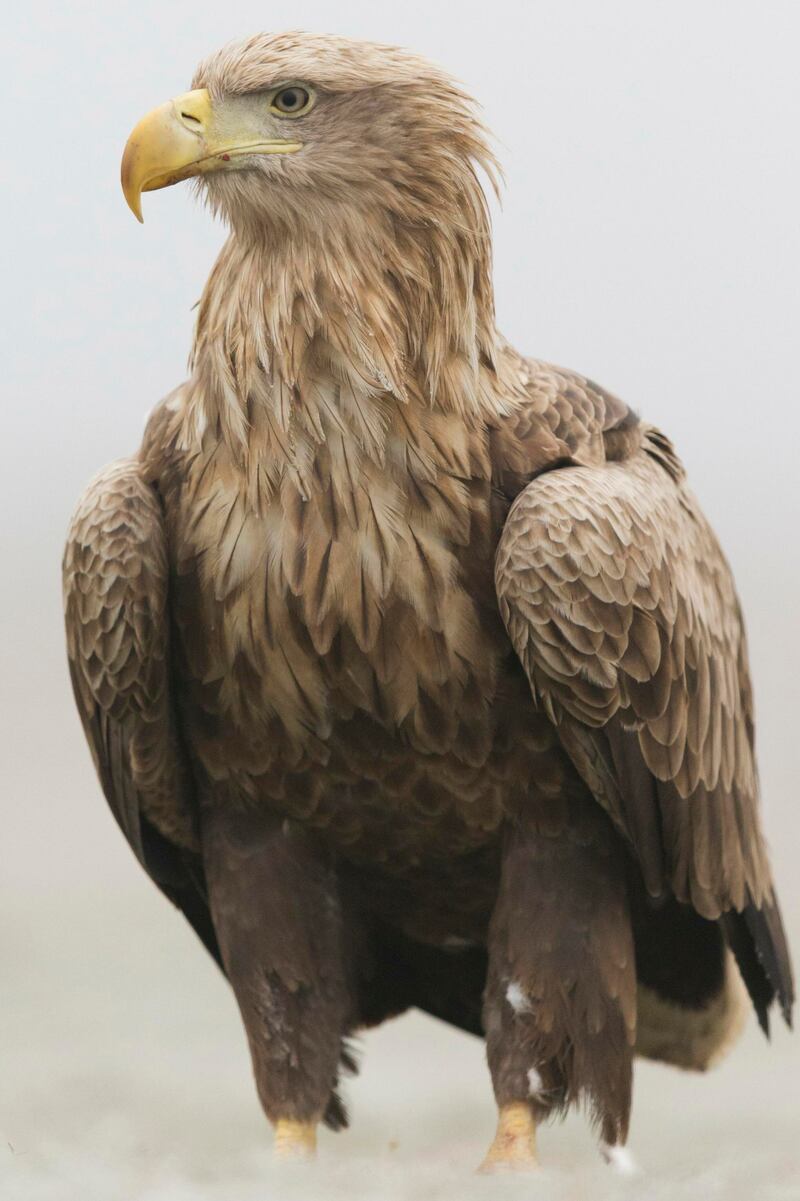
(115,577)
(622,609)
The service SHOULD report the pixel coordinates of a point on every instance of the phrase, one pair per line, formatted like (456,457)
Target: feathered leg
(560,1001)
(277,910)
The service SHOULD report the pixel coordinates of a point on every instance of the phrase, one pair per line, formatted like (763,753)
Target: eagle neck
(299,329)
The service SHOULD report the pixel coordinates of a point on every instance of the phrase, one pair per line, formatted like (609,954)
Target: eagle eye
(292,101)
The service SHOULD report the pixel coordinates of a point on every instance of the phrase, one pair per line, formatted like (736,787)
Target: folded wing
(622,610)
(115,579)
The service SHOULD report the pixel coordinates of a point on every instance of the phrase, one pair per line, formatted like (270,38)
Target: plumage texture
(621,607)
(285,622)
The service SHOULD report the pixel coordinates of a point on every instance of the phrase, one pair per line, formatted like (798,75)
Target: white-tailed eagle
(412,671)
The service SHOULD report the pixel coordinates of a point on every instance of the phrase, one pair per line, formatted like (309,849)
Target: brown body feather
(283,623)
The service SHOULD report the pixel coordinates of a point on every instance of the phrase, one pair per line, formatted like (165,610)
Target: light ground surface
(126,1078)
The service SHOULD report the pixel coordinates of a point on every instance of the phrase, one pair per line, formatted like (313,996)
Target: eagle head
(288,129)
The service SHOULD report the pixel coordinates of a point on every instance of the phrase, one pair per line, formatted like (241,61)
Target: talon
(295,1140)
(514,1146)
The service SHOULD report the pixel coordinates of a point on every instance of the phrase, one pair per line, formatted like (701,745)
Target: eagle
(411,669)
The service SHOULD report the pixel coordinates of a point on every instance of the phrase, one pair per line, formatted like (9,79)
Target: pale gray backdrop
(649,237)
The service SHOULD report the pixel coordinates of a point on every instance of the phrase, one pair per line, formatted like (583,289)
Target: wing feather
(622,610)
(115,578)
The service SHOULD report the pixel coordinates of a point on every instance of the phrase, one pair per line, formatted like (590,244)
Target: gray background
(649,236)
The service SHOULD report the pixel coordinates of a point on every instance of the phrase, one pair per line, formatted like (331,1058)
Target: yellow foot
(514,1146)
(295,1140)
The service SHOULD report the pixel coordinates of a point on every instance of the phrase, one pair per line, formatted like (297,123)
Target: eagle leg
(295,1140)
(514,1144)
(283,933)
(560,1000)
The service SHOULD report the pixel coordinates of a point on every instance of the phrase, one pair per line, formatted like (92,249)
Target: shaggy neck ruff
(326,322)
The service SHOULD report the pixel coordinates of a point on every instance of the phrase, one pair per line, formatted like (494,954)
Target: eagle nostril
(189,117)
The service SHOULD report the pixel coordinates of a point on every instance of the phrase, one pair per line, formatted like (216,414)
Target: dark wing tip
(758,941)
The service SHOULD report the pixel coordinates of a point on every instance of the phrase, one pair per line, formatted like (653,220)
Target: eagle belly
(342,663)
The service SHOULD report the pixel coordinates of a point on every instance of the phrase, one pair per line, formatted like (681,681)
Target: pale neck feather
(304,330)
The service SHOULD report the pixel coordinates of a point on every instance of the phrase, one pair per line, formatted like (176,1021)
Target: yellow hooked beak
(191,136)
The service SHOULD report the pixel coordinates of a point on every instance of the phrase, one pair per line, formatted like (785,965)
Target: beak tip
(134,203)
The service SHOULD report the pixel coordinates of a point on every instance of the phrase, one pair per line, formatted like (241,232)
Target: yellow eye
(291,101)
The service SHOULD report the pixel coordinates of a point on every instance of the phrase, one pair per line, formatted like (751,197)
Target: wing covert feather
(115,579)
(115,606)
(622,608)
